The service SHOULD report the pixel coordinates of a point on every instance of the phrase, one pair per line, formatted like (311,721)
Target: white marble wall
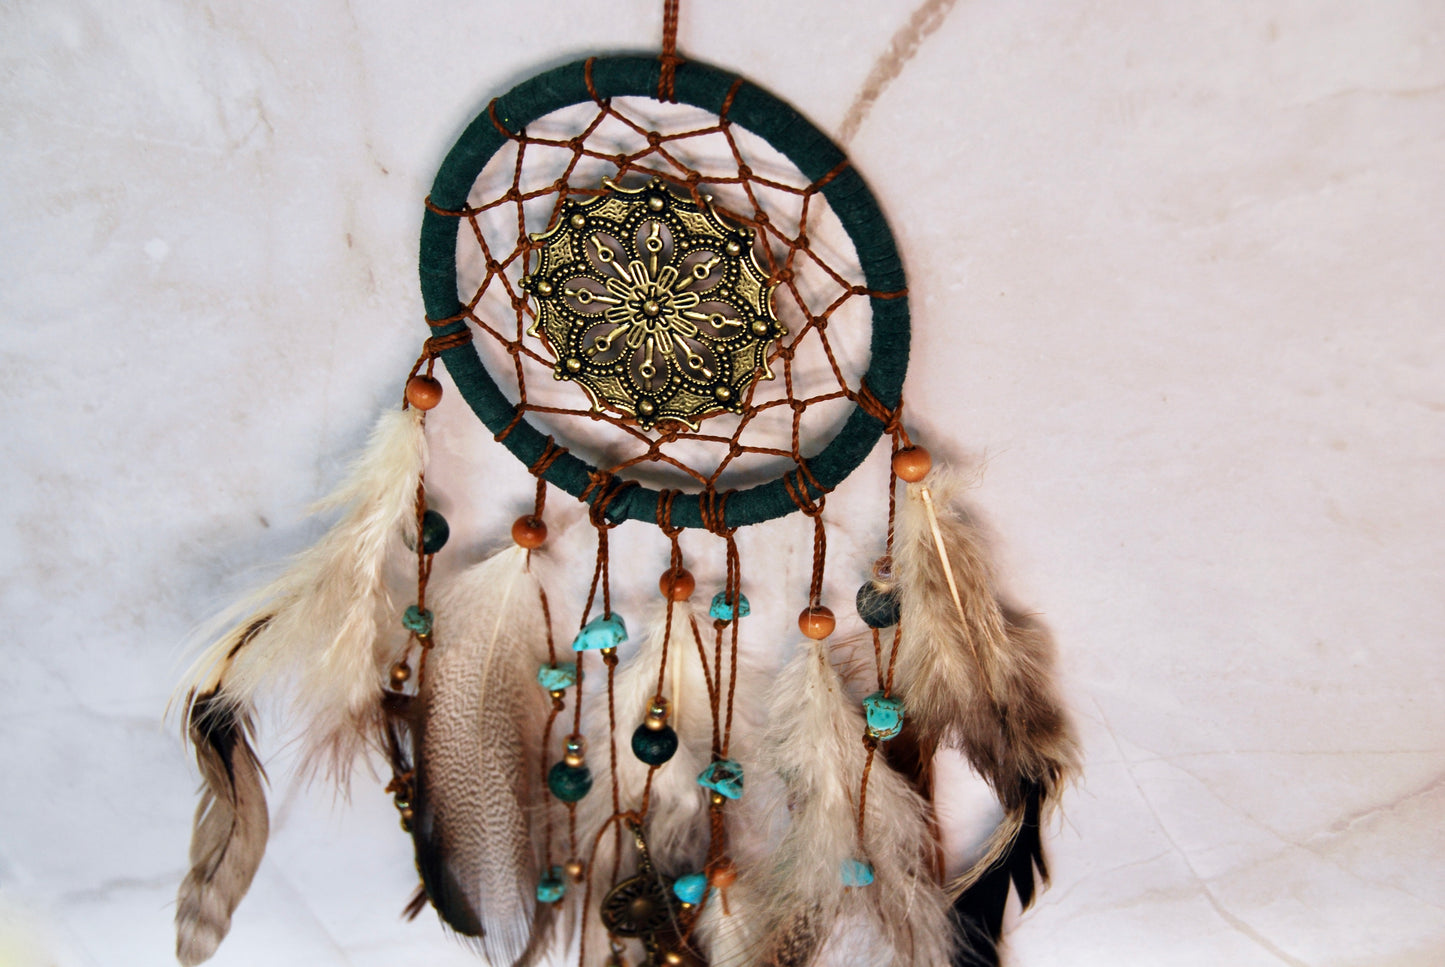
(1177,284)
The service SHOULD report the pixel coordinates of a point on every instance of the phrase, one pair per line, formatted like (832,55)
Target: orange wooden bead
(723,873)
(817,623)
(423,392)
(677,585)
(912,464)
(529,531)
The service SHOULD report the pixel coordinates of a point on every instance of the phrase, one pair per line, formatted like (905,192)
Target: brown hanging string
(669,57)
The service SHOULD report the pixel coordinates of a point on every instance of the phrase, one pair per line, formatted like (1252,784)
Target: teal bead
(569,783)
(856,873)
(434,532)
(551,887)
(557,678)
(605,632)
(690,888)
(884,714)
(878,606)
(722,608)
(724,777)
(417,620)
(654,746)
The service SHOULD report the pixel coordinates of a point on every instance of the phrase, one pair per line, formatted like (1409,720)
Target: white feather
(814,743)
(321,643)
(677,826)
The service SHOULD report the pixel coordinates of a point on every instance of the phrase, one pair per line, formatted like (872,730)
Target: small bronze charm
(653,304)
(643,906)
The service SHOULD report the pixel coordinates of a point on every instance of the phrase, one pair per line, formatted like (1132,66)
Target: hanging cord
(667,80)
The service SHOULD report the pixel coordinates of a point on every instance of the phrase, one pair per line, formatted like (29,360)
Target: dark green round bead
(434,532)
(877,606)
(569,783)
(654,746)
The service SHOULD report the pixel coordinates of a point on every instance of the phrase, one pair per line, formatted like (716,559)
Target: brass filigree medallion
(654,305)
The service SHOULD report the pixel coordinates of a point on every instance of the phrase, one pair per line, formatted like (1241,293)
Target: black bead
(877,606)
(434,532)
(654,746)
(569,783)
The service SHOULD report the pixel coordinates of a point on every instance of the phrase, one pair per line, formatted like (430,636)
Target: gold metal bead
(579,221)
(544,287)
(558,694)
(400,672)
(717,798)
(575,870)
(655,203)
(574,751)
(733,249)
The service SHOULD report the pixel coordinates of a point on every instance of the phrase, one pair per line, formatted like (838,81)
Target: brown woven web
(799,243)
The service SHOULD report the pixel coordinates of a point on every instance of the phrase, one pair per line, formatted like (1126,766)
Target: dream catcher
(672,298)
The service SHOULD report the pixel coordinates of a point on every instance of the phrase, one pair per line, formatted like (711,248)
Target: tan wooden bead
(817,623)
(912,464)
(677,585)
(423,392)
(530,532)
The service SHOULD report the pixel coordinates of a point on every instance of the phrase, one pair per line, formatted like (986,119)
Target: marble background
(1177,281)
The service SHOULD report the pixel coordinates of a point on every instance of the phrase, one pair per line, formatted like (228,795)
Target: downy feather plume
(230,829)
(319,641)
(476,743)
(976,678)
(815,745)
(676,829)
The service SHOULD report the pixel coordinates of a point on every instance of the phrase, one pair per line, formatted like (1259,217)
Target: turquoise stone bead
(605,632)
(551,887)
(856,873)
(434,532)
(690,888)
(557,678)
(722,609)
(724,777)
(417,620)
(884,714)
(569,783)
(654,746)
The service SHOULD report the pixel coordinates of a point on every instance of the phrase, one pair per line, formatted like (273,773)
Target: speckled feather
(475,748)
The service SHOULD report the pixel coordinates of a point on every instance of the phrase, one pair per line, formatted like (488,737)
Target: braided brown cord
(669,57)
(616,141)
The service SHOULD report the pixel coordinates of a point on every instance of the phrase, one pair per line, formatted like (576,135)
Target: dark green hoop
(788,132)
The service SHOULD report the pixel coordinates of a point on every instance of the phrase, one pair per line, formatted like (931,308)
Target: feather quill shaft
(474,746)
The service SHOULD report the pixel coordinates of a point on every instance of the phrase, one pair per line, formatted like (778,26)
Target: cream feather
(815,745)
(476,748)
(321,643)
(676,829)
(230,829)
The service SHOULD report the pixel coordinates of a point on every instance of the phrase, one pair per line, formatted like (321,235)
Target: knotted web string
(808,287)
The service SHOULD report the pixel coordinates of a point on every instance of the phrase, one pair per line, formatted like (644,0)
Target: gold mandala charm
(653,304)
